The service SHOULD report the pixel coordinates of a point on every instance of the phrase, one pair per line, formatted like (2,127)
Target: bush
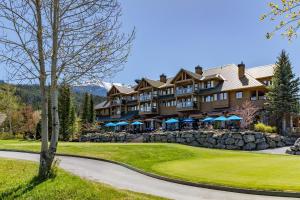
(9,136)
(260,127)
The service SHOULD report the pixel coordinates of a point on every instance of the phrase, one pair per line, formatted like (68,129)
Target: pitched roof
(154,83)
(104,104)
(232,81)
(168,83)
(192,74)
(213,76)
(123,89)
(261,71)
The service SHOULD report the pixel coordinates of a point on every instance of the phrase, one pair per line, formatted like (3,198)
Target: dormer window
(267,82)
(209,84)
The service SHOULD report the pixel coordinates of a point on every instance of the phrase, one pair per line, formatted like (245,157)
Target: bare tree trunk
(61,41)
(54,86)
(45,166)
(284,124)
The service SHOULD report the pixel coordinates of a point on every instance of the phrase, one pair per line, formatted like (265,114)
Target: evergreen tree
(92,112)
(283,97)
(72,120)
(64,110)
(86,109)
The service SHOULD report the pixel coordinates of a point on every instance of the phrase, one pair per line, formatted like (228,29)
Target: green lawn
(219,167)
(17,180)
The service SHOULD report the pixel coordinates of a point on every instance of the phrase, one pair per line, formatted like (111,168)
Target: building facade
(212,92)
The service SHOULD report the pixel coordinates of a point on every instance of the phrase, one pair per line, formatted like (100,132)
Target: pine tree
(85,109)
(72,120)
(91,108)
(64,110)
(283,97)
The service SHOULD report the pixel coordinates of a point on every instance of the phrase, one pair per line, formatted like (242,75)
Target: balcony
(148,110)
(131,101)
(166,96)
(182,106)
(145,98)
(184,91)
(118,102)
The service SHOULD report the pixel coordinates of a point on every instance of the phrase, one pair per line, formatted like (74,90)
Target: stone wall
(110,137)
(295,149)
(247,140)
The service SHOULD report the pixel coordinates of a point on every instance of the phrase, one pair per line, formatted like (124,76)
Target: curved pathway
(280,150)
(123,178)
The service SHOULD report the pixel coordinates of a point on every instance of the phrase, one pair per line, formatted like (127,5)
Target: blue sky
(174,34)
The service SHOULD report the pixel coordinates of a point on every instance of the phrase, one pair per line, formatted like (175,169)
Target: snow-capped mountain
(94,87)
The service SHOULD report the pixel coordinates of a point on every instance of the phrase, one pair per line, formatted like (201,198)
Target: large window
(208,98)
(239,95)
(208,84)
(220,96)
(223,96)
(168,103)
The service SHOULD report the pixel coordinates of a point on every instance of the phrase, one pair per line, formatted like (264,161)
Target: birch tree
(60,41)
(285,15)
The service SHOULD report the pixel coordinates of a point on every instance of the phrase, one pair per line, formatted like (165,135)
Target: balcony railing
(254,98)
(145,97)
(184,91)
(118,102)
(165,96)
(186,105)
(148,110)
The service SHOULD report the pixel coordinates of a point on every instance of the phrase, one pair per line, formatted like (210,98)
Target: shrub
(9,136)
(264,128)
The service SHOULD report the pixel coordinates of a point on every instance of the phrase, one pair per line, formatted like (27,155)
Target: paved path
(275,151)
(123,178)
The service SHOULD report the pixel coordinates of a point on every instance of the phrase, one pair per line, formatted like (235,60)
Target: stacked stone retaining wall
(247,140)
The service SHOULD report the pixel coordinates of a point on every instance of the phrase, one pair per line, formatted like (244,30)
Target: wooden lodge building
(212,92)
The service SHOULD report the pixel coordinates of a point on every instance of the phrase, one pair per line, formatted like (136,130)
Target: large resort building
(212,92)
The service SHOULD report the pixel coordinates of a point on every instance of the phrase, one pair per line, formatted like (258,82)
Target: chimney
(163,78)
(241,69)
(137,81)
(198,70)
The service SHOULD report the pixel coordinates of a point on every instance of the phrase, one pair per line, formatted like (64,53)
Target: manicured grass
(17,181)
(219,167)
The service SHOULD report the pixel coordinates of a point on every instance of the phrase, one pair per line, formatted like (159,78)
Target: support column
(256,94)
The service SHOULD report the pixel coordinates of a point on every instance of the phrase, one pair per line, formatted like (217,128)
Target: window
(208,84)
(208,99)
(223,96)
(267,82)
(239,95)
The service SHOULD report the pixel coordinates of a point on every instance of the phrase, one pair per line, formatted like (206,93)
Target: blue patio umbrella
(220,119)
(137,123)
(188,120)
(234,118)
(172,121)
(208,119)
(110,124)
(122,124)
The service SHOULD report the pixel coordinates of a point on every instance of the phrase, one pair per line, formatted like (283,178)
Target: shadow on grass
(18,191)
